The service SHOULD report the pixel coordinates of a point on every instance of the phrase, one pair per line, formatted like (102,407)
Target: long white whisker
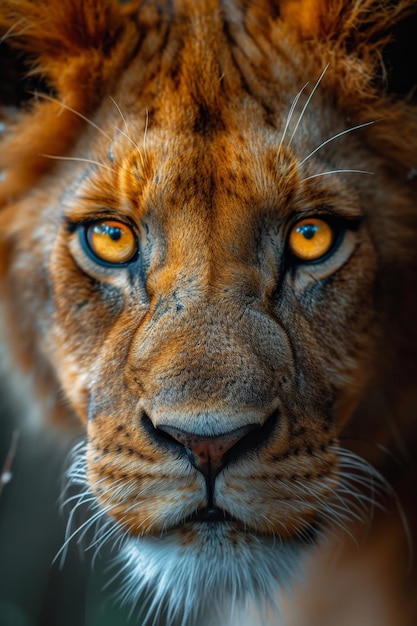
(78,159)
(343,132)
(307,103)
(81,498)
(77,113)
(110,528)
(120,113)
(134,144)
(335,172)
(125,133)
(352,510)
(349,459)
(145,134)
(339,515)
(107,536)
(89,522)
(362,480)
(289,116)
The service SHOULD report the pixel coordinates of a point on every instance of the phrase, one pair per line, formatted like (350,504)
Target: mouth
(210,514)
(215,515)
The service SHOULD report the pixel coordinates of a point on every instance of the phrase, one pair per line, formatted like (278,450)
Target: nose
(207,454)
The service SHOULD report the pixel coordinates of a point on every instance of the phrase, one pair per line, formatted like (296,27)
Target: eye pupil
(308,231)
(115,233)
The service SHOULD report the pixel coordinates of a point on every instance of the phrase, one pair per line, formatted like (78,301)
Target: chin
(202,572)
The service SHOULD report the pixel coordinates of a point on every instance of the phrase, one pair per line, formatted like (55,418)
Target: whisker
(336,172)
(82,498)
(99,530)
(343,132)
(364,481)
(146,130)
(339,521)
(307,103)
(77,113)
(88,523)
(120,113)
(78,159)
(126,134)
(289,116)
(109,529)
(134,144)
(351,510)
(349,459)
(116,535)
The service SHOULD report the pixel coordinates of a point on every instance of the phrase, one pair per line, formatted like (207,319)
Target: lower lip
(209,515)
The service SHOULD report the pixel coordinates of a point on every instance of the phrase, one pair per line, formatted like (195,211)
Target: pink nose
(208,451)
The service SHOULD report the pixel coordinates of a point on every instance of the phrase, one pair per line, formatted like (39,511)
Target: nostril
(256,439)
(210,454)
(158,436)
(208,451)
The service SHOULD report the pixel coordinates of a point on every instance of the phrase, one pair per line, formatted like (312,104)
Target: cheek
(80,319)
(347,335)
(143,487)
(333,331)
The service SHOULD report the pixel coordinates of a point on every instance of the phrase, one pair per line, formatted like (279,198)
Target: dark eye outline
(83,235)
(338,225)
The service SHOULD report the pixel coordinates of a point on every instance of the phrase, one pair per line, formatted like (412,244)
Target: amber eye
(111,241)
(310,239)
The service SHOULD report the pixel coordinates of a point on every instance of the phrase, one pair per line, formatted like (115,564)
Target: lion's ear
(66,51)
(68,42)
(347,22)
(381,33)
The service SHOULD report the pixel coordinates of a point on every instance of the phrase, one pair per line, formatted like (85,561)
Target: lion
(208,247)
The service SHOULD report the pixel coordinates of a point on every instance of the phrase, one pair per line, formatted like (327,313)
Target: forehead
(250,169)
(195,124)
(204,71)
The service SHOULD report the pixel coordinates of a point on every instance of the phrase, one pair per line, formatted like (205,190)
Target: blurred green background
(33,590)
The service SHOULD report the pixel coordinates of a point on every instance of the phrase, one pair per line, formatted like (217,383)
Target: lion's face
(204,290)
(212,364)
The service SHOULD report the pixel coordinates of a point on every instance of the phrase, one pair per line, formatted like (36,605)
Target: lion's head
(208,214)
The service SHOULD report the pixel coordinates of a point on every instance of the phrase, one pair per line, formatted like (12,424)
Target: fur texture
(230,388)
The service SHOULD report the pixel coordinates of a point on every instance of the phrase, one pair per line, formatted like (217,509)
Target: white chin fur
(206,580)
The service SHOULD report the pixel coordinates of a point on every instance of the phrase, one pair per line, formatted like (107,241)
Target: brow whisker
(336,172)
(134,144)
(77,113)
(343,132)
(78,159)
(307,103)
(126,133)
(289,116)
(146,130)
(120,113)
